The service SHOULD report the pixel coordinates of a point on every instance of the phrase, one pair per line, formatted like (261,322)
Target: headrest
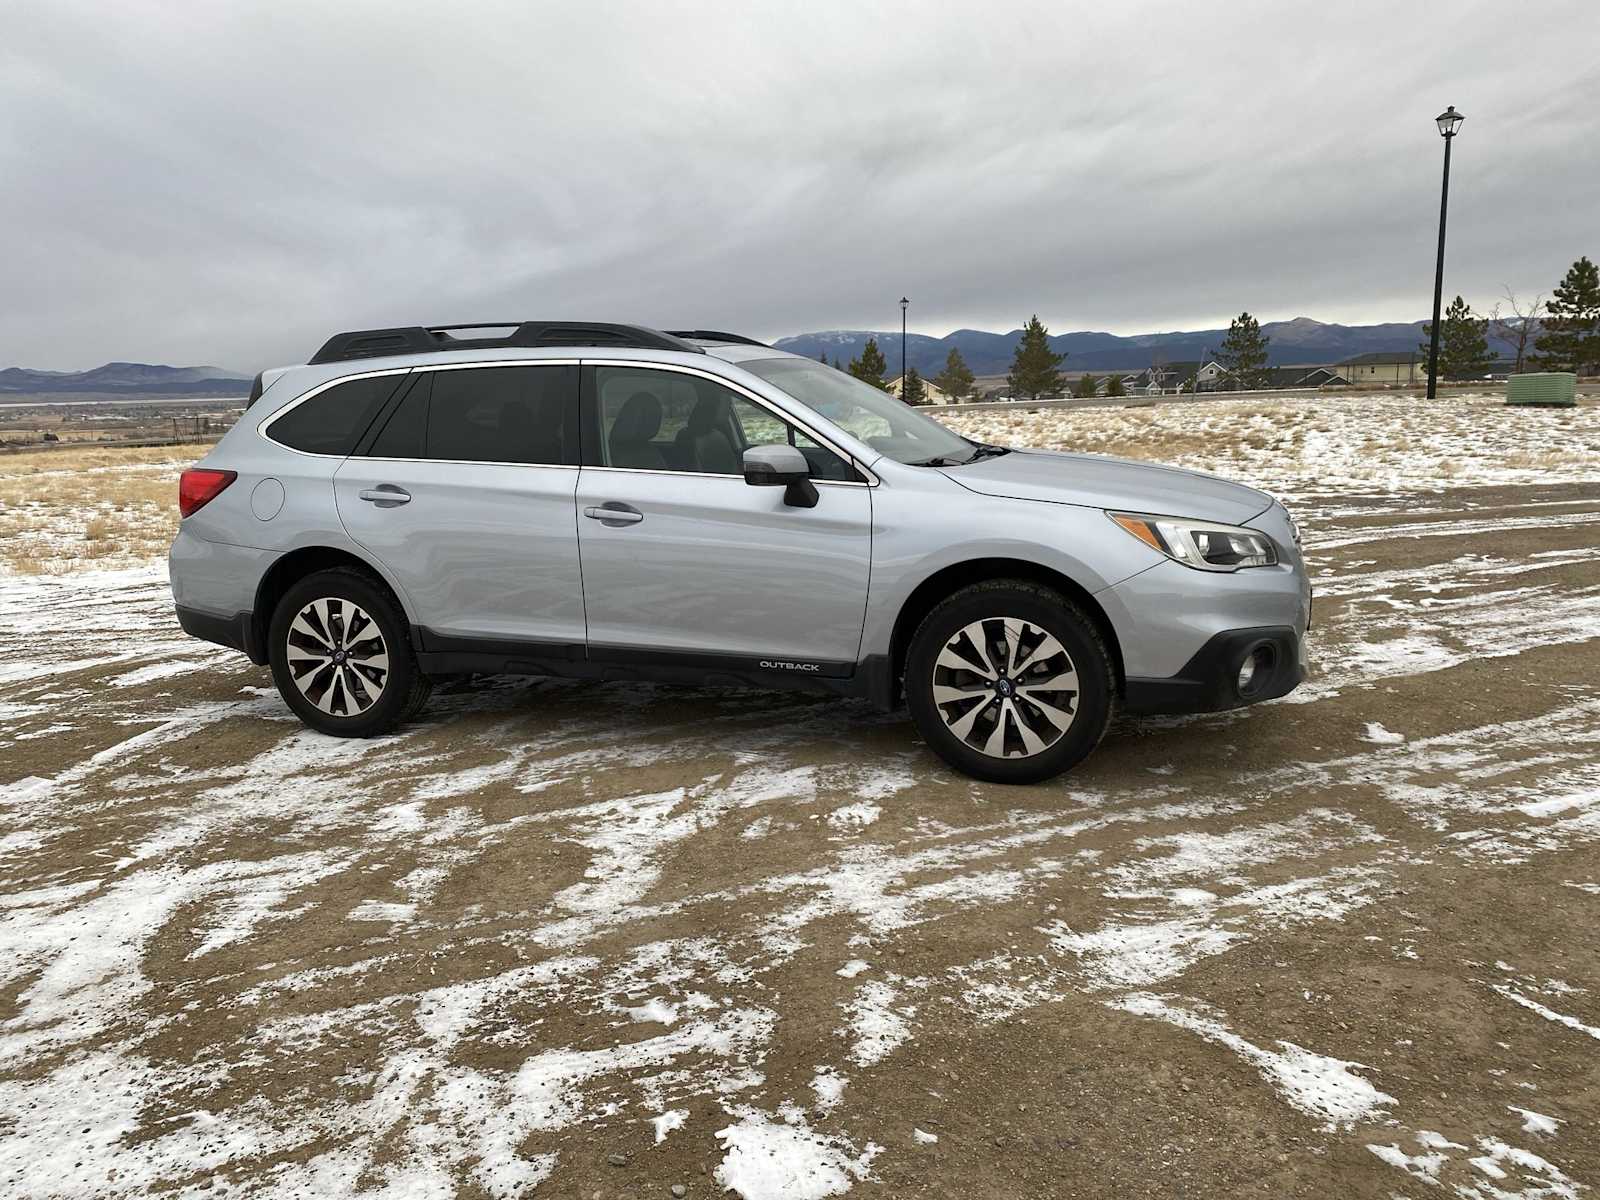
(707,414)
(639,420)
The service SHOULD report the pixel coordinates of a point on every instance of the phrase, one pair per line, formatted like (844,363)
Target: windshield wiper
(986,451)
(979,450)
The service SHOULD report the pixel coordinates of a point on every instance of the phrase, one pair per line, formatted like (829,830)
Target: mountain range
(124,378)
(1296,342)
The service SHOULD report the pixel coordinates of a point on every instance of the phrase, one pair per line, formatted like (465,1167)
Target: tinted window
(499,414)
(403,434)
(333,421)
(666,421)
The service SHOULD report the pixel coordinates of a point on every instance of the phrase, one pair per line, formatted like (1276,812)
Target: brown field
(109,505)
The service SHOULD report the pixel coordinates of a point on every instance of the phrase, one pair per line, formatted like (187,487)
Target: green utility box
(1555,388)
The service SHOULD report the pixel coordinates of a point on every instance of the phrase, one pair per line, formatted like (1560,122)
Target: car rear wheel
(1010,681)
(341,657)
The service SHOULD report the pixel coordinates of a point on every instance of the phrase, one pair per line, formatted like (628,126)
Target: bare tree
(1518,330)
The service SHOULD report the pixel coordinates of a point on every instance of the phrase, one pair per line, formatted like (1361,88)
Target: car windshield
(870,414)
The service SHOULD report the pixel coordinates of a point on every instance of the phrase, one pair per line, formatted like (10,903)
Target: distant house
(1176,377)
(1173,377)
(936,395)
(1320,377)
(1303,377)
(1386,368)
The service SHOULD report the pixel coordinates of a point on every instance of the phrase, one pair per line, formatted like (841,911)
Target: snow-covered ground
(1317,446)
(742,941)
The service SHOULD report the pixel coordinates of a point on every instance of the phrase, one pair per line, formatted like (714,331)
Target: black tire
(1092,705)
(403,689)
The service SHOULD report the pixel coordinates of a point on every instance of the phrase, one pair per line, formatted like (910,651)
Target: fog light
(1255,669)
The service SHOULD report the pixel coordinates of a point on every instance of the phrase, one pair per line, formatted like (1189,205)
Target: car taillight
(197,487)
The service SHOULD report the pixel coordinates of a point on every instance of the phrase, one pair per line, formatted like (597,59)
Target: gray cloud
(231,183)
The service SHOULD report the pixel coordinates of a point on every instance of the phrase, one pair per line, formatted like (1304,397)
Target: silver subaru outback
(613,502)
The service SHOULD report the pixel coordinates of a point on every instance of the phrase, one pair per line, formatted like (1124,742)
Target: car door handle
(613,513)
(386,494)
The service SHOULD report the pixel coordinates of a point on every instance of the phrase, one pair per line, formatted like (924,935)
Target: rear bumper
(1209,682)
(237,632)
(214,587)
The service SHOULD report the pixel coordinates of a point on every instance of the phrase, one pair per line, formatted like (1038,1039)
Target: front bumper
(1183,634)
(1209,682)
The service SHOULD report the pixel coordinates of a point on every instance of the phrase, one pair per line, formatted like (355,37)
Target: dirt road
(580,939)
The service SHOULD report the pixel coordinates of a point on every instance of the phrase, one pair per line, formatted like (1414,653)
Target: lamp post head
(1449,121)
(904,302)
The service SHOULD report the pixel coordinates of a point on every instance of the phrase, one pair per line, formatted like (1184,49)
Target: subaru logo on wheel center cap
(1003,686)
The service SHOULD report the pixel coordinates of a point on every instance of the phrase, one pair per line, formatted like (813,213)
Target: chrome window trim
(827,443)
(466,462)
(735,475)
(500,362)
(261,426)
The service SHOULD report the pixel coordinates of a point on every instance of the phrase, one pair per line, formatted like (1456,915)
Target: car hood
(1097,481)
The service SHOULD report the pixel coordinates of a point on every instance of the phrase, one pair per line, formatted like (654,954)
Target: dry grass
(89,457)
(97,504)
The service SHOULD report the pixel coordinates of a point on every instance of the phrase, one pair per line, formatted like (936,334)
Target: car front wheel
(1010,681)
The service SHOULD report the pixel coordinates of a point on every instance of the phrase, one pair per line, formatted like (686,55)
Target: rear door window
(484,414)
(404,432)
(332,421)
(502,414)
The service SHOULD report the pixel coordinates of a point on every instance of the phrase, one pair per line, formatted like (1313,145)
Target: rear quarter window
(332,421)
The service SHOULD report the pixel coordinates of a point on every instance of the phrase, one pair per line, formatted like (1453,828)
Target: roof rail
(424,339)
(713,335)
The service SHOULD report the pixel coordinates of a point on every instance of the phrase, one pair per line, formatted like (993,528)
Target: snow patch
(855,816)
(767,1161)
(654,1010)
(878,1024)
(1315,1084)
(1533,1122)
(673,1118)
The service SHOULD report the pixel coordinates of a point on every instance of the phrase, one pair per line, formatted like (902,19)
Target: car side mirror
(781,466)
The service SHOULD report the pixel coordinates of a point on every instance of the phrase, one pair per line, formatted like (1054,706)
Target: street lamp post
(904,303)
(1448,121)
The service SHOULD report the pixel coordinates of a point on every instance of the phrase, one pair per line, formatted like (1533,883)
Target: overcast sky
(229,183)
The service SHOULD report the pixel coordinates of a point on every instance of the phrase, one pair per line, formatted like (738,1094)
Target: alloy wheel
(337,656)
(1005,687)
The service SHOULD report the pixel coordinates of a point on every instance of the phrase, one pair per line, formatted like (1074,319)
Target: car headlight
(1201,544)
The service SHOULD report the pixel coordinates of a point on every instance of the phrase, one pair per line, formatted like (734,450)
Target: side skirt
(443,654)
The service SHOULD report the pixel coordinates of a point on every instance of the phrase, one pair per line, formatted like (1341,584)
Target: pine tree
(912,390)
(822,357)
(1087,386)
(1114,385)
(1463,343)
(1244,352)
(870,366)
(1571,337)
(956,380)
(1035,369)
